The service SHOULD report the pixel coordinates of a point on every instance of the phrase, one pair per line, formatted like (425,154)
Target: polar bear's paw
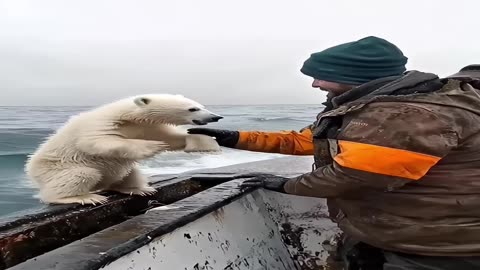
(202,144)
(142,191)
(80,199)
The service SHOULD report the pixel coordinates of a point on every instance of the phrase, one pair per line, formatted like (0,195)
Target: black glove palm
(226,138)
(266,181)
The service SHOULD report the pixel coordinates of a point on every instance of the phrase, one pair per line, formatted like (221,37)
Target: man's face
(333,89)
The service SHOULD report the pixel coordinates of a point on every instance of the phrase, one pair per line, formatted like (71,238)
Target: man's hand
(226,138)
(266,181)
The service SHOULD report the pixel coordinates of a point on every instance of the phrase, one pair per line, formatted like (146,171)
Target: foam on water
(179,162)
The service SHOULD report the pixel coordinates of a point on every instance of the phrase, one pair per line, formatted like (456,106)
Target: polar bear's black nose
(216,118)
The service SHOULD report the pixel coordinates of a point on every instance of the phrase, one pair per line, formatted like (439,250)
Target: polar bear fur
(99,149)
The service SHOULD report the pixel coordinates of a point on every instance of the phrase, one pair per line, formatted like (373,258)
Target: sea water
(22,129)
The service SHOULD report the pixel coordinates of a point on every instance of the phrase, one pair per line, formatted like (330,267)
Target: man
(397,155)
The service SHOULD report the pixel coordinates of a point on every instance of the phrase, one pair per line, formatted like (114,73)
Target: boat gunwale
(32,217)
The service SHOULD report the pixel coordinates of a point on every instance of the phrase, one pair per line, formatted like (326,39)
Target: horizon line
(273,104)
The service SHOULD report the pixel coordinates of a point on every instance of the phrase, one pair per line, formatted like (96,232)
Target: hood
(416,86)
(455,93)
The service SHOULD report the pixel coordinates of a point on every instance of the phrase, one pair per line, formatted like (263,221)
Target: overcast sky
(87,52)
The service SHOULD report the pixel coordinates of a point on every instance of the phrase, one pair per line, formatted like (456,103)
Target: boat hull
(260,230)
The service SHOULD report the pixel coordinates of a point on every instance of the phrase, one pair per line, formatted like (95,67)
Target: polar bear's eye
(193,109)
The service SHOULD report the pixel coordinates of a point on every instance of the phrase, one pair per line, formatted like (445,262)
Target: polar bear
(99,149)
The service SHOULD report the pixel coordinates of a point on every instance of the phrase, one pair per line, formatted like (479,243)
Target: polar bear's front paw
(142,191)
(80,199)
(201,143)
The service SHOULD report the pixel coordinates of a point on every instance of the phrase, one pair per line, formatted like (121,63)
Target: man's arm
(383,147)
(283,142)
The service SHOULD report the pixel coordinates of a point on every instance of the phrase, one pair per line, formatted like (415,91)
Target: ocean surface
(22,129)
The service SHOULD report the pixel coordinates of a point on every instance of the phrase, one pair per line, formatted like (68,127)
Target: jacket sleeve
(284,142)
(381,147)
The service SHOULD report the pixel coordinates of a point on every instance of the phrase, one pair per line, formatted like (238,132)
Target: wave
(179,162)
(12,162)
(14,155)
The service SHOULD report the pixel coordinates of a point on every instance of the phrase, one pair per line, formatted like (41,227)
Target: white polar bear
(99,149)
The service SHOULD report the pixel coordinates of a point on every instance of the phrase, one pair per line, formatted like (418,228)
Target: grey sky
(215,51)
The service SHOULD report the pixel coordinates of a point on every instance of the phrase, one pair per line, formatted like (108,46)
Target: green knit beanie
(356,62)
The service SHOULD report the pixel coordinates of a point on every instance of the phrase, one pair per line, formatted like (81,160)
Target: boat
(196,220)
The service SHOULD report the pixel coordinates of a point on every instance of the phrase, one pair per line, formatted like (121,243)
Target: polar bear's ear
(141,101)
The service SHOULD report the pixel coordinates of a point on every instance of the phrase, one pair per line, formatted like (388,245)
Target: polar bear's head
(171,109)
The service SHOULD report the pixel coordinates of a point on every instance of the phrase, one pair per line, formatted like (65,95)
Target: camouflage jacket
(401,166)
